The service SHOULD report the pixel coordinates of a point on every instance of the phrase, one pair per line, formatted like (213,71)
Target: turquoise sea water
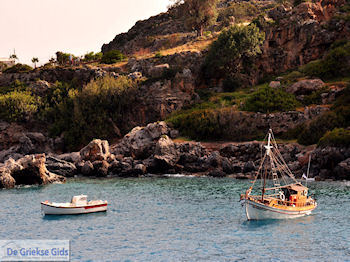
(179,219)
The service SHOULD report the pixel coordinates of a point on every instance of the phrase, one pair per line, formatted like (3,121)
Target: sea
(178,218)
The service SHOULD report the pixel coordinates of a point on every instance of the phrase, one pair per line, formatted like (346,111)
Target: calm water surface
(179,219)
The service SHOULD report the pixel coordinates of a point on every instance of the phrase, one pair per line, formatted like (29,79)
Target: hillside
(287,69)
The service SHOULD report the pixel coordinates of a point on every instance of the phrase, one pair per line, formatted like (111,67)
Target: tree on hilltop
(35,60)
(198,14)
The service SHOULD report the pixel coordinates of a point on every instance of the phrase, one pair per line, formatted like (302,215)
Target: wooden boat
(78,205)
(284,198)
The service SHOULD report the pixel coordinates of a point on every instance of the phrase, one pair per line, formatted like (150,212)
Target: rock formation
(29,170)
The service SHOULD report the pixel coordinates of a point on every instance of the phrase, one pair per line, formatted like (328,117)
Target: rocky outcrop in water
(29,170)
(150,150)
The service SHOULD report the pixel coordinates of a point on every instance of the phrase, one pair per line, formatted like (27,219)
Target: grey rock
(166,155)
(60,167)
(97,149)
(87,169)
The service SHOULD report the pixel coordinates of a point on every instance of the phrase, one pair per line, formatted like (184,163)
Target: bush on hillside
(334,64)
(18,68)
(241,11)
(338,117)
(91,56)
(214,124)
(95,111)
(18,106)
(318,127)
(338,137)
(232,52)
(267,100)
(315,98)
(111,57)
(292,77)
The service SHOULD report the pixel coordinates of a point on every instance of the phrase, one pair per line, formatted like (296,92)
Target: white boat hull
(257,211)
(48,209)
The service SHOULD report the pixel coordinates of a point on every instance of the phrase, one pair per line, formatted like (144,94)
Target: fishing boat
(280,195)
(78,205)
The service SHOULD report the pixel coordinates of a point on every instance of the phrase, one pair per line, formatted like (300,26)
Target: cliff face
(302,34)
(295,37)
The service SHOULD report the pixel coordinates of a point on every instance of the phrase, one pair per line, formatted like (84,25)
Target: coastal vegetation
(267,100)
(338,117)
(18,68)
(198,14)
(18,106)
(111,57)
(232,53)
(338,137)
(94,111)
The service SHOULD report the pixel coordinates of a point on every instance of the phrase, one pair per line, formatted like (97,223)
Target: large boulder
(87,169)
(100,168)
(140,142)
(73,157)
(96,150)
(39,87)
(166,155)
(29,170)
(306,86)
(60,167)
(342,170)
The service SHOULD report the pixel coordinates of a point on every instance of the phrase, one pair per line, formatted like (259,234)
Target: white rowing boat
(78,205)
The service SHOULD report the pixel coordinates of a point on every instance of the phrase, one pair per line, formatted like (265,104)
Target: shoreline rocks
(150,150)
(28,170)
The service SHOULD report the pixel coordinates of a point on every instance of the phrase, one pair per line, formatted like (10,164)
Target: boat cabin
(79,200)
(295,194)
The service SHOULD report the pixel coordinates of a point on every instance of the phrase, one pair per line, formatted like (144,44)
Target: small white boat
(78,205)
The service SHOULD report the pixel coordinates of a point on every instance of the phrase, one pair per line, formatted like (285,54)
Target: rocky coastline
(151,150)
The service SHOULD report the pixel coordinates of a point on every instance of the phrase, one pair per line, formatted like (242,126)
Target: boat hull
(257,211)
(48,209)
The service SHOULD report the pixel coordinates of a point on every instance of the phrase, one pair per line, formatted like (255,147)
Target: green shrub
(233,46)
(241,11)
(315,97)
(315,68)
(18,68)
(214,124)
(111,57)
(95,111)
(292,77)
(338,117)
(56,96)
(318,127)
(91,56)
(18,106)
(338,137)
(267,100)
(15,86)
(334,64)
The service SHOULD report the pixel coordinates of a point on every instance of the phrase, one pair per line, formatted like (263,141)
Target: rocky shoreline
(151,150)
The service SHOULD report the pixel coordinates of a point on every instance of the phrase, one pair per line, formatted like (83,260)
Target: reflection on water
(179,219)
